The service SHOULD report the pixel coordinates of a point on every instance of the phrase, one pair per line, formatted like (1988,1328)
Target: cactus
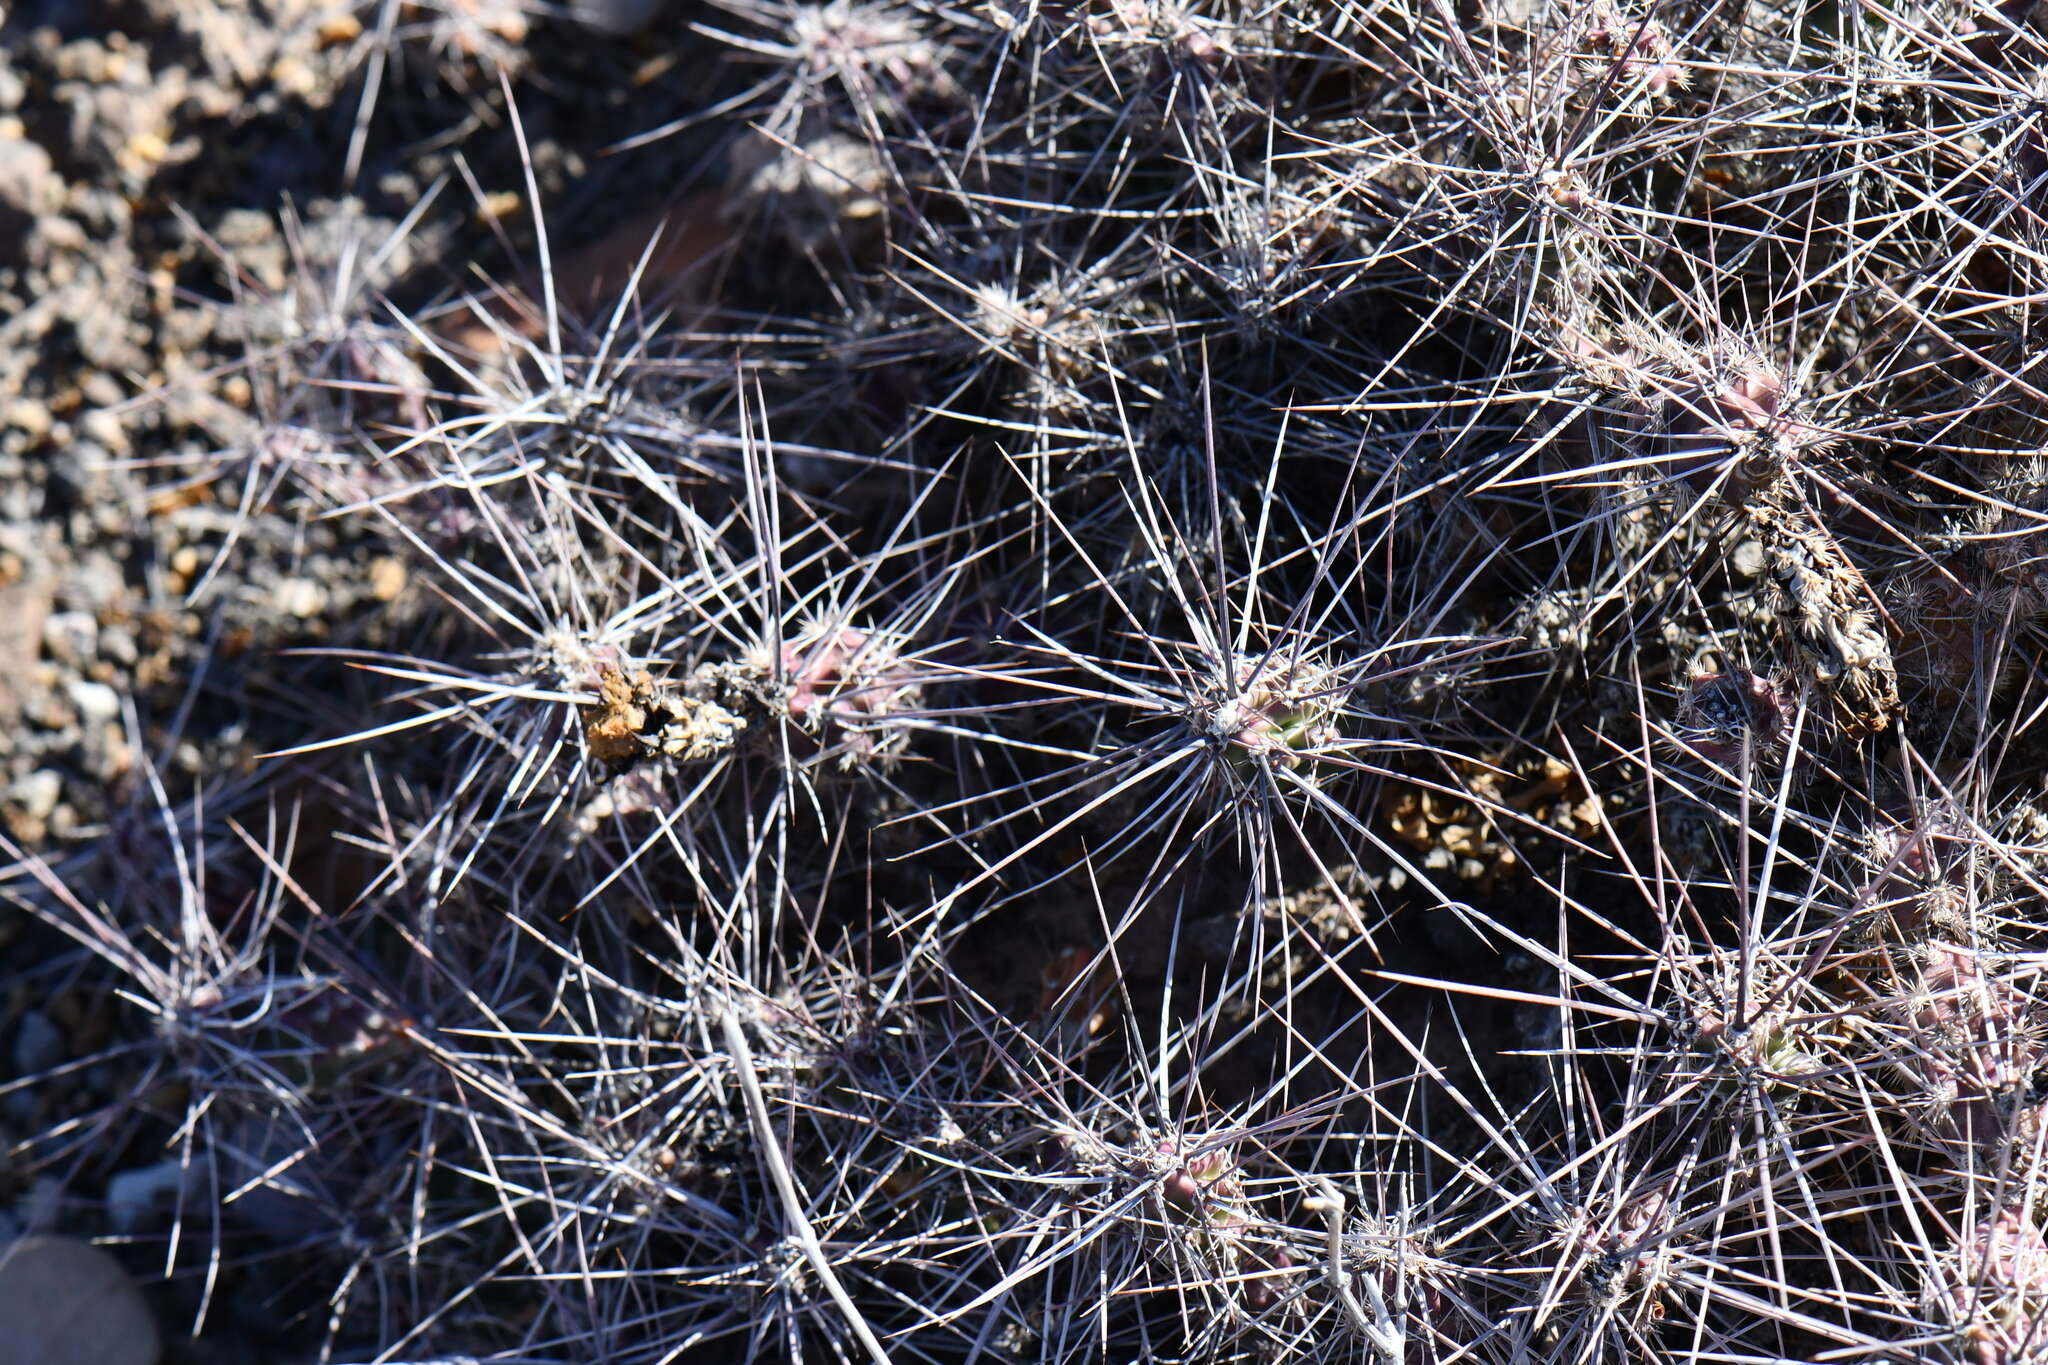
(1088,681)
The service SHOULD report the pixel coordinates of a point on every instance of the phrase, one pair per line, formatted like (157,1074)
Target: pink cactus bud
(1721,712)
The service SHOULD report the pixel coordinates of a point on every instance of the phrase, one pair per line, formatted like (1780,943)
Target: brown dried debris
(1725,427)
(1827,612)
(635,719)
(1464,837)
(612,727)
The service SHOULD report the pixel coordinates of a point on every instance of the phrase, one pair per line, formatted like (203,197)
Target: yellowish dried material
(612,727)
(635,719)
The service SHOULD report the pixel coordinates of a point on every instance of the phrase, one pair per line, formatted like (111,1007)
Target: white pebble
(97,703)
(38,793)
(135,1197)
(300,597)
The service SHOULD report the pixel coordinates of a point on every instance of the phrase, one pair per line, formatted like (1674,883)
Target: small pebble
(136,1196)
(38,1044)
(387,578)
(28,416)
(67,1302)
(342,28)
(28,183)
(97,703)
(293,77)
(37,794)
(117,646)
(96,581)
(300,597)
(104,429)
(71,637)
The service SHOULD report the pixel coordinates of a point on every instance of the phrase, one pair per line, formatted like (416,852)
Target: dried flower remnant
(1828,609)
(1828,613)
(1634,50)
(838,690)
(1466,836)
(612,728)
(635,719)
(1722,426)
